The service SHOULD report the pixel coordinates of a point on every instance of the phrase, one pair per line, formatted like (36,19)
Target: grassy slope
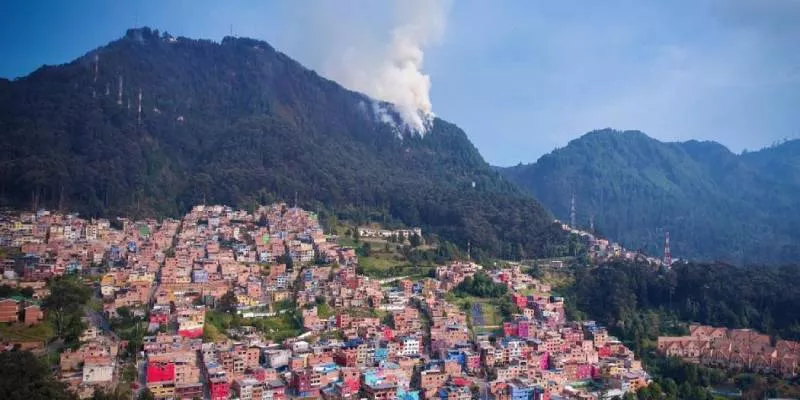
(20,332)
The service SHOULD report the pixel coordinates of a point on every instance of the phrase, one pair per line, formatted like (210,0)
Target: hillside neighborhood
(231,304)
(400,200)
(602,250)
(742,349)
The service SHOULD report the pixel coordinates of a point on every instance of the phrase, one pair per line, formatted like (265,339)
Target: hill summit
(151,124)
(714,203)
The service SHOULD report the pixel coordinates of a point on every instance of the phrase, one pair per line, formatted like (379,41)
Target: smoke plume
(392,71)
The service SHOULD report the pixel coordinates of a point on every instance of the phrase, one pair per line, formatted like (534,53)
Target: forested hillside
(239,123)
(640,303)
(633,297)
(716,205)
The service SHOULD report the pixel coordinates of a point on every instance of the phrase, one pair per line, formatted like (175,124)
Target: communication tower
(572,211)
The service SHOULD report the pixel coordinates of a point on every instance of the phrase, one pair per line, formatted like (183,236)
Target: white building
(514,349)
(71,234)
(385,234)
(302,253)
(410,346)
(98,370)
(90,232)
(107,290)
(89,334)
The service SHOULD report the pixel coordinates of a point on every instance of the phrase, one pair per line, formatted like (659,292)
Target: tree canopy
(68,296)
(228,303)
(763,298)
(25,378)
(481,285)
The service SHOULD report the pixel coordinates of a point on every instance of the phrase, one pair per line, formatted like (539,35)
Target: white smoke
(392,72)
(383,114)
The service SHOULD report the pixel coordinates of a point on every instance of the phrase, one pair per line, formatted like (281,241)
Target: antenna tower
(119,91)
(667,252)
(572,211)
(139,113)
(94,81)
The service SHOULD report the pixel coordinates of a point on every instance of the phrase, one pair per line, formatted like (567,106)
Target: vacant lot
(21,333)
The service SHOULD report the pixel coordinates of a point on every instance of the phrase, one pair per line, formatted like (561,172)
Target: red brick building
(33,315)
(9,310)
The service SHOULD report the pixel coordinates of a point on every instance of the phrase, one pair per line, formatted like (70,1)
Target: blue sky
(520,77)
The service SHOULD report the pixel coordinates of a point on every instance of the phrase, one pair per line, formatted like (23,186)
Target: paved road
(484,389)
(477,315)
(99,320)
(141,376)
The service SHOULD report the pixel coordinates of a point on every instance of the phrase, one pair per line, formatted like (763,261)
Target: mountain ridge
(715,203)
(238,122)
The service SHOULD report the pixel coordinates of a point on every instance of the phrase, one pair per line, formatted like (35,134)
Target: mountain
(240,123)
(714,203)
(780,162)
